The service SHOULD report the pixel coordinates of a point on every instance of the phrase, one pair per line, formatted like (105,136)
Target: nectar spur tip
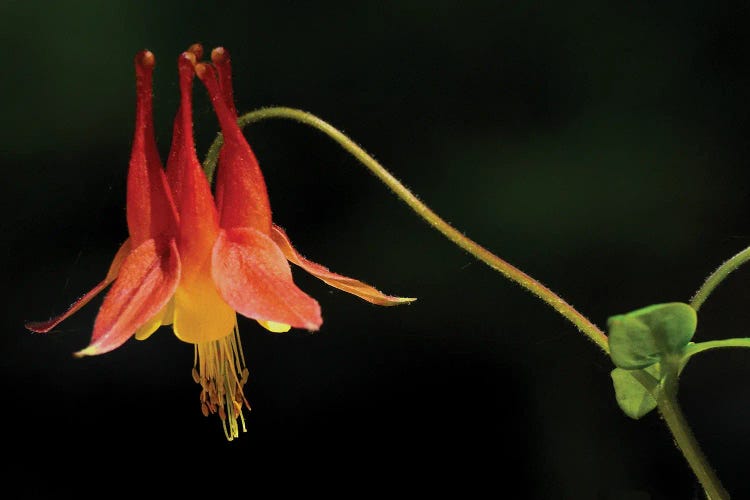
(201,69)
(197,50)
(145,59)
(189,57)
(219,55)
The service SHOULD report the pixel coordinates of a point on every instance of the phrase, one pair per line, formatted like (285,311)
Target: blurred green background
(599,147)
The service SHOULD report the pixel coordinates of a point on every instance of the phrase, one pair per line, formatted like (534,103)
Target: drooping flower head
(191,261)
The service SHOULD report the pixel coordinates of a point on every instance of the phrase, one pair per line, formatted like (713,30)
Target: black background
(600,147)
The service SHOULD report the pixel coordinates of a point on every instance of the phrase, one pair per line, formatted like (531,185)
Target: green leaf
(643,337)
(634,389)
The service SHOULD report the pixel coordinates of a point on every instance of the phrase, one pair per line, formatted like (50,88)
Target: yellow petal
(163,317)
(200,314)
(273,326)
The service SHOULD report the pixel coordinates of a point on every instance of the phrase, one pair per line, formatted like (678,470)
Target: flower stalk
(718,276)
(666,398)
(506,269)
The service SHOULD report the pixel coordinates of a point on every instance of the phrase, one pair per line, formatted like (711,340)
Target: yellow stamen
(273,326)
(219,367)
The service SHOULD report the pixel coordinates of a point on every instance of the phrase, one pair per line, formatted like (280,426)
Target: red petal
(254,278)
(150,209)
(241,196)
(350,285)
(220,58)
(182,151)
(114,269)
(147,280)
(199,223)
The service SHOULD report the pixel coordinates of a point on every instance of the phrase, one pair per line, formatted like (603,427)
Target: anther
(221,382)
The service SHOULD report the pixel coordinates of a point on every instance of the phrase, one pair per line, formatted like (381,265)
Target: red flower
(190,262)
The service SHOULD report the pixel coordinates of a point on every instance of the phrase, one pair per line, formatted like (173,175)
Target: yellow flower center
(219,368)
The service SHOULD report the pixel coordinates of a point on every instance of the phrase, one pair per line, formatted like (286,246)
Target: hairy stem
(666,400)
(693,349)
(718,276)
(686,442)
(510,272)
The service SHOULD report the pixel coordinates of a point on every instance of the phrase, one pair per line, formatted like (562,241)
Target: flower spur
(192,263)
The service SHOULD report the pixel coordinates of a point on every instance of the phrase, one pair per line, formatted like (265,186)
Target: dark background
(601,149)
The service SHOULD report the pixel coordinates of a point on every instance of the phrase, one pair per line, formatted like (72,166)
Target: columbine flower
(192,263)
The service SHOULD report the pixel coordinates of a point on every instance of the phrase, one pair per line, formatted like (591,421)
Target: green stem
(718,276)
(670,410)
(693,349)
(484,255)
(666,399)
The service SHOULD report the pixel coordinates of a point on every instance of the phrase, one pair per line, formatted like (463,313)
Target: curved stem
(718,276)
(495,262)
(693,349)
(670,410)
